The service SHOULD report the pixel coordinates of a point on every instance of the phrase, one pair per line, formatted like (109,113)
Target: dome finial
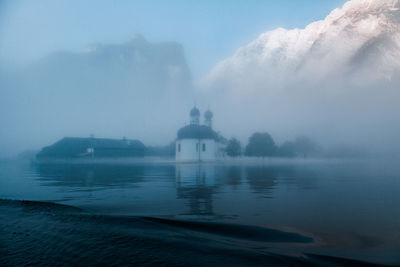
(208,115)
(195,115)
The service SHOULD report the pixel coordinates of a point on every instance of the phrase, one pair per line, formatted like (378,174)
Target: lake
(239,212)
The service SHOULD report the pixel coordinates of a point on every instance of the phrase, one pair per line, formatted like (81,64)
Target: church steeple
(195,116)
(208,115)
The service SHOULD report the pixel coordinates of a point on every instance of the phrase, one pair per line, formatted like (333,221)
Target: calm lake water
(348,209)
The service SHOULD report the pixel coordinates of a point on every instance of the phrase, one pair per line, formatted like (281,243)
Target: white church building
(197,142)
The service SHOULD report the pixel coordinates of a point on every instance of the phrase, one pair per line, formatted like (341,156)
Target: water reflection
(262,180)
(196,183)
(234,176)
(93,175)
(304,177)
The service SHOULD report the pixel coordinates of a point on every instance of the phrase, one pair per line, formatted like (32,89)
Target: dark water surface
(236,213)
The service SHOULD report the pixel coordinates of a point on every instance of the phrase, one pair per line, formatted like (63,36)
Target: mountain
(358,43)
(110,90)
(138,65)
(336,80)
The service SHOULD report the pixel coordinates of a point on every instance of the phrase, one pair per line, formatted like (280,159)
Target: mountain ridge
(361,31)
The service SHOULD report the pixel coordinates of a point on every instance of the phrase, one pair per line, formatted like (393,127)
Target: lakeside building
(197,142)
(73,147)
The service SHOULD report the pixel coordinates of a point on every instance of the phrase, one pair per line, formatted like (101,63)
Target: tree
(233,149)
(305,146)
(161,151)
(287,150)
(261,145)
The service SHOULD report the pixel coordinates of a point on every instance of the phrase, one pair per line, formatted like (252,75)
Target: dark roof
(194,131)
(75,147)
(195,112)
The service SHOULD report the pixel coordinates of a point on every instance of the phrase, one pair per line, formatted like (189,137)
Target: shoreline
(224,161)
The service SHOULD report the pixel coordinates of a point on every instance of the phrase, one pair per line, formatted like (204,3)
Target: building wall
(189,152)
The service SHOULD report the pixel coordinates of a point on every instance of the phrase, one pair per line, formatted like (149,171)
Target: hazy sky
(209,30)
(144,90)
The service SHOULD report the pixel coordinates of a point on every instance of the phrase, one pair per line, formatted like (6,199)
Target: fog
(142,89)
(137,90)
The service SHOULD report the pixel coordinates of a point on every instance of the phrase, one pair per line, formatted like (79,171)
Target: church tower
(208,115)
(195,116)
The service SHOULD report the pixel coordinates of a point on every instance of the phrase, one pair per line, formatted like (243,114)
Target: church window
(204,147)
(179,147)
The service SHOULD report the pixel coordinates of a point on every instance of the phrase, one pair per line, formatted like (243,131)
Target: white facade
(196,150)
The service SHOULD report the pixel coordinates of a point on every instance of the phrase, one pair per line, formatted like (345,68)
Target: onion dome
(194,112)
(208,115)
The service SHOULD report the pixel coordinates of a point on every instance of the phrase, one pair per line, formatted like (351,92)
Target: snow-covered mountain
(337,79)
(358,43)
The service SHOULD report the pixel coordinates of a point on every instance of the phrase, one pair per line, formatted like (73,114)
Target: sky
(208,30)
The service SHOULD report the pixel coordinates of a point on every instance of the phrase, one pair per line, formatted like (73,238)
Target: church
(197,142)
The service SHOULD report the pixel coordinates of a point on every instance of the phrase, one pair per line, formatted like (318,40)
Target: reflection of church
(197,142)
(200,183)
(197,185)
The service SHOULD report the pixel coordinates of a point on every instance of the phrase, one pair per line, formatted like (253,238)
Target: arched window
(204,147)
(179,147)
